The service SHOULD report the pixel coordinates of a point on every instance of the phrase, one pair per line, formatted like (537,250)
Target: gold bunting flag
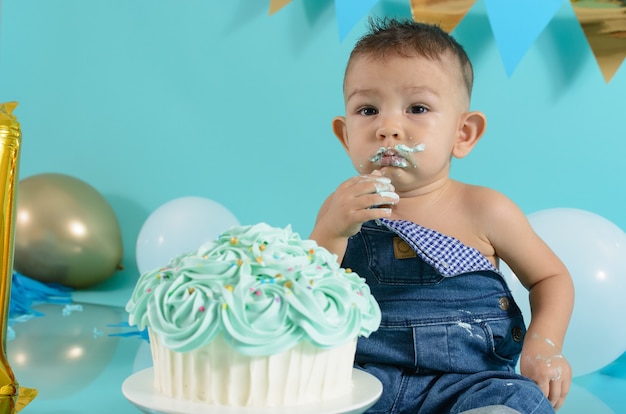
(445,13)
(604,24)
(276,5)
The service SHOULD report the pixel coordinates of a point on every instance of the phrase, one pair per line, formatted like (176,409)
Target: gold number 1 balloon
(10,142)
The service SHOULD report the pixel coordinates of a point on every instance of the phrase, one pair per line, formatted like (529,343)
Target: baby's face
(402,116)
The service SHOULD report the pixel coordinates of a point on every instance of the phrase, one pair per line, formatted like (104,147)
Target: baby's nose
(389,132)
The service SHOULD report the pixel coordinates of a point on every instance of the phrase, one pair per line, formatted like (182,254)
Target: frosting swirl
(263,288)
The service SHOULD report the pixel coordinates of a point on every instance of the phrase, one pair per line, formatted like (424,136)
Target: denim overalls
(451,333)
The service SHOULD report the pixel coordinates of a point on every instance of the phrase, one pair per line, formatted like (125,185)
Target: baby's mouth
(397,156)
(389,158)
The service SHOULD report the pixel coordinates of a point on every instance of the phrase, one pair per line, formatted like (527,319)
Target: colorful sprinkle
(311,251)
(201,308)
(229,288)
(259,259)
(288,284)
(234,240)
(239,262)
(258,293)
(224,306)
(348,270)
(149,290)
(262,247)
(191,290)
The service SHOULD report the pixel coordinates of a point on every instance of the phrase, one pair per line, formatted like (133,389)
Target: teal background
(151,100)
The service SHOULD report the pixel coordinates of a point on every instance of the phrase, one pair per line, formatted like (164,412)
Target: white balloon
(179,226)
(594,251)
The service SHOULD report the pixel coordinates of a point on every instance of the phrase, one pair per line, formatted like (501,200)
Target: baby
(429,246)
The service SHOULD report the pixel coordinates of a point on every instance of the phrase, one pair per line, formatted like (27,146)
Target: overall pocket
(393,262)
(468,346)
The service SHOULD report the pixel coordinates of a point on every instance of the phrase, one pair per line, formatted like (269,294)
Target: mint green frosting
(263,288)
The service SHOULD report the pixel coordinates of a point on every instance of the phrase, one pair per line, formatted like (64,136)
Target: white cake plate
(139,390)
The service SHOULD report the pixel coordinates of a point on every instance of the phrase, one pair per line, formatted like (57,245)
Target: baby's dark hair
(407,38)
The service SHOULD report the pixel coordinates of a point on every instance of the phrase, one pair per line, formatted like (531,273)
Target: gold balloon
(66,232)
(63,352)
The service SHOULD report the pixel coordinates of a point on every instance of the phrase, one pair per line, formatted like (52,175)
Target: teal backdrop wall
(151,100)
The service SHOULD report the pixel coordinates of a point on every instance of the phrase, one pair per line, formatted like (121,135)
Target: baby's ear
(471,127)
(340,130)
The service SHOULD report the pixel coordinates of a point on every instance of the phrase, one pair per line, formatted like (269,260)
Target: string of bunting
(516,25)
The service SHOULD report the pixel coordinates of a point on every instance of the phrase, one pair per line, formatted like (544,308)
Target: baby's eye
(417,109)
(368,111)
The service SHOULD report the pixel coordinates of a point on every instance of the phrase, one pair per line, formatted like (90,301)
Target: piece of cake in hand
(258,317)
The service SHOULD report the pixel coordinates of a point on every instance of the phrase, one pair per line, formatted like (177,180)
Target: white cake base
(218,375)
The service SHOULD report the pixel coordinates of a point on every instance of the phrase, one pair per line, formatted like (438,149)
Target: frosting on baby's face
(399,155)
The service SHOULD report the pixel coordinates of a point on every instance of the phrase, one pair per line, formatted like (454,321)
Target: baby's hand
(357,200)
(542,362)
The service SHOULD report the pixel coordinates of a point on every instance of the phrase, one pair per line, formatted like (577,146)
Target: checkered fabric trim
(446,254)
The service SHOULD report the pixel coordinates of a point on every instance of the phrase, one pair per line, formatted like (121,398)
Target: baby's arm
(551,295)
(349,206)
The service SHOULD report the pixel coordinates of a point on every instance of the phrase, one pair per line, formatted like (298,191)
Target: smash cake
(257,318)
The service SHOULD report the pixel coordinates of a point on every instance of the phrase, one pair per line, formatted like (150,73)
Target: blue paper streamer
(133,332)
(26,293)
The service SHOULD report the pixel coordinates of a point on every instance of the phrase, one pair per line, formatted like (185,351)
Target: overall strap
(449,256)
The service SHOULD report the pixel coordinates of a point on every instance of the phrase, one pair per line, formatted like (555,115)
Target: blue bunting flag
(350,12)
(516,24)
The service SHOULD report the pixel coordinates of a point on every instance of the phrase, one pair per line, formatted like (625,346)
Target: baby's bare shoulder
(483,197)
(489,206)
